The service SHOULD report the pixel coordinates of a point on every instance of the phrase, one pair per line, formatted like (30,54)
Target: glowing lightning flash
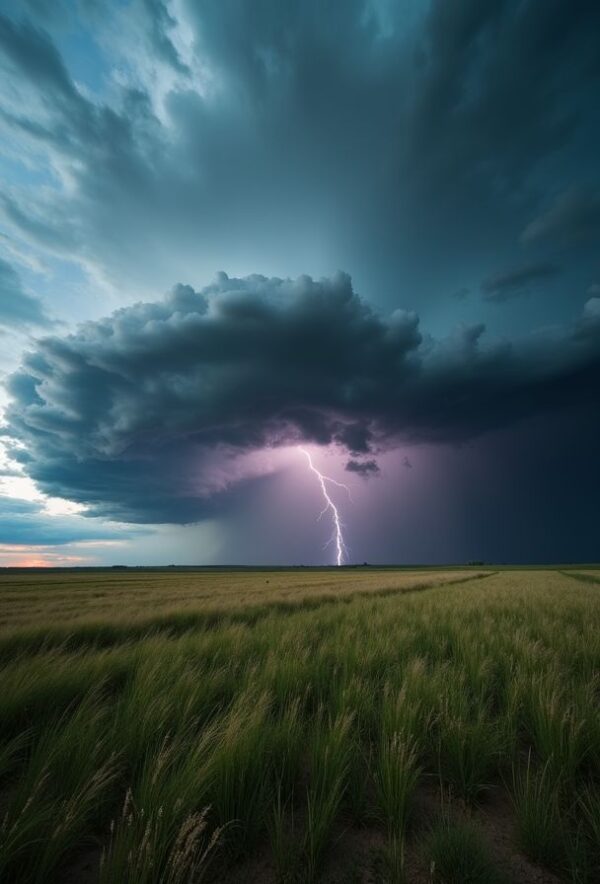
(338,536)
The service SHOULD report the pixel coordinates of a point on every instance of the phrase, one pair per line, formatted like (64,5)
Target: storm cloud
(128,414)
(573,216)
(511,283)
(18,308)
(380,124)
(442,154)
(364,468)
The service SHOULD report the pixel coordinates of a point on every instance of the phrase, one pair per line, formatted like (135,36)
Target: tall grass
(330,752)
(283,838)
(457,854)
(238,717)
(555,726)
(468,749)
(396,775)
(536,797)
(62,795)
(240,769)
(147,857)
(162,827)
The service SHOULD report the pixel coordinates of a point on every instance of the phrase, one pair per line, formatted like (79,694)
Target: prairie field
(337,725)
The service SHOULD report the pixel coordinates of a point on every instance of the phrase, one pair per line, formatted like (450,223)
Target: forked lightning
(337,537)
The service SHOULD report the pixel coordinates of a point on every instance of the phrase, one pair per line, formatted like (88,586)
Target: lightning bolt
(337,537)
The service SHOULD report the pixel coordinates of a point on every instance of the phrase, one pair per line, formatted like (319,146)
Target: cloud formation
(18,309)
(514,282)
(128,414)
(25,522)
(205,112)
(364,468)
(573,216)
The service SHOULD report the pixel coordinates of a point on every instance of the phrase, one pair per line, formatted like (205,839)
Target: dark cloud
(18,309)
(421,146)
(363,132)
(128,414)
(512,283)
(406,463)
(364,468)
(574,215)
(589,325)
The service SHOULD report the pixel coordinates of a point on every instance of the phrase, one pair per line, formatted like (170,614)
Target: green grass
(329,763)
(537,800)
(396,774)
(179,727)
(457,854)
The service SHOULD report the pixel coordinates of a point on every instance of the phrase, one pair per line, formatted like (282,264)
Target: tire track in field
(583,577)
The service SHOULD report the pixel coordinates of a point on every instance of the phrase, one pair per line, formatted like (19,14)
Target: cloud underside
(128,415)
(364,468)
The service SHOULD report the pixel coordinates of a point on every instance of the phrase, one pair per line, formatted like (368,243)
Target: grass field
(303,725)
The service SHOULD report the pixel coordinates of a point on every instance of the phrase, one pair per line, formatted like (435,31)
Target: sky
(233,230)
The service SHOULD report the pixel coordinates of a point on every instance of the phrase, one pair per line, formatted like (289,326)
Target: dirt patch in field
(356,855)
(84,869)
